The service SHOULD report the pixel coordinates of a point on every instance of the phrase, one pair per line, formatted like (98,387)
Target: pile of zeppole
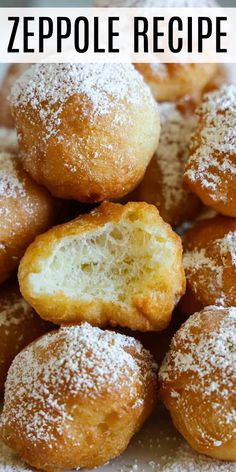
(117,223)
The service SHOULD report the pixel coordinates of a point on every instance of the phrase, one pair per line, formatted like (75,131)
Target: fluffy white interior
(112,263)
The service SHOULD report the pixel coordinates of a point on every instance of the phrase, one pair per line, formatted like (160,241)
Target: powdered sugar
(76,360)
(10,185)
(204,350)
(99,89)
(14,195)
(209,351)
(228,246)
(202,263)
(156,448)
(205,353)
(173,151)
(196,260)
(213,156)
(186,460)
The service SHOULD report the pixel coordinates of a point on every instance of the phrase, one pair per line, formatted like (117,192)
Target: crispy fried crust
(197,382)
(210,170)
(169,82)
(94,149)
(14,71)
(146,306)
(26,210)
(163,183)
(209,264)
(19,325)
(75,397)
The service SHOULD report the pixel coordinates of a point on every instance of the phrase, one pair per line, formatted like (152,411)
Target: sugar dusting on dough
(12,190)
(217,148)
(208,355)
(173,151)
(205,353)
(197,259)
(157,448)
(100,89)
(77,360)
(228,246)
(10,185)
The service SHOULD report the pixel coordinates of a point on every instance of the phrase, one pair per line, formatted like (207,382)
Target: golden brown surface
(169,82)
(118,265)
(13,72)
(75,398)
(197,381)
(94,139)
(26,209)
(163,183)
(210,170)
(19,326)
(210,264)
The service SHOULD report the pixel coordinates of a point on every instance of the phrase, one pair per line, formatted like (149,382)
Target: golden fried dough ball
(8,140)
(86,131)
(75,397)
(119,265)
(169,82)
(25,211)
(163,183)
(210,264)
(198,382)
(13,72)
(19,325)
(211,169)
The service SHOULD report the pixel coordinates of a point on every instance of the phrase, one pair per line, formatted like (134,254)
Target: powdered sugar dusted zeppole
(210,264)
(163,183)
(198,382)
(86,131)
(170,82)
(19,325)
(13,72)
(211,169)
(119,265)
(26,210)
(75,397)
